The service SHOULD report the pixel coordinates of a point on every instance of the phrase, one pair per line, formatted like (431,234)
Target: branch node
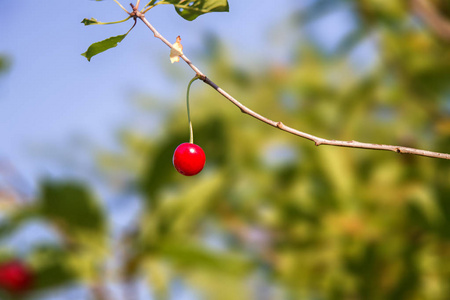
(280,125)
(135,13)
(202,77)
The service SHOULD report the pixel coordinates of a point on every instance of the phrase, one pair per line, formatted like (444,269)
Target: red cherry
(15,276)
(188,159)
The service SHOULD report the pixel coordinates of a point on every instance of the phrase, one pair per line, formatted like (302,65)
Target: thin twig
(118,3)
(317,140)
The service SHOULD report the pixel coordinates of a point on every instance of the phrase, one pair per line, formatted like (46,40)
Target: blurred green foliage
(80,222)
(272,214)
(4,63)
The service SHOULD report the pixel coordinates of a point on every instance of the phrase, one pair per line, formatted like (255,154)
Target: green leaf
(72,207)
(190,10)
(51,269)
(190,255)
(90,21)
(102,46)
(93,21)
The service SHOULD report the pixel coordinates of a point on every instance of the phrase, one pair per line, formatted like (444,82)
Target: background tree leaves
(72,207)
(4,63)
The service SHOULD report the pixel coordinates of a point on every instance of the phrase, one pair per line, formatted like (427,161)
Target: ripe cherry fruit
(15,276)
(188,159)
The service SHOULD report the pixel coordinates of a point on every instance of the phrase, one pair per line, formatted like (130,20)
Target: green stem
(150,5)
(148,8)
(191,132)
(118,3)
(115,22)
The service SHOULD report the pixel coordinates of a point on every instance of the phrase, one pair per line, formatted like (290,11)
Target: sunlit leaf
(176,51)
(194,256)
(190,10)
(102,46)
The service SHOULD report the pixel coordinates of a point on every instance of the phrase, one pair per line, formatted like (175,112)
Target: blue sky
(52,94)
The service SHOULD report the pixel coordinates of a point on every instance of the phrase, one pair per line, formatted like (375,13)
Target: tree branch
(317,140)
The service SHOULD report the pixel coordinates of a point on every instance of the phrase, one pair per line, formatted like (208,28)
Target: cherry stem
(191,131)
